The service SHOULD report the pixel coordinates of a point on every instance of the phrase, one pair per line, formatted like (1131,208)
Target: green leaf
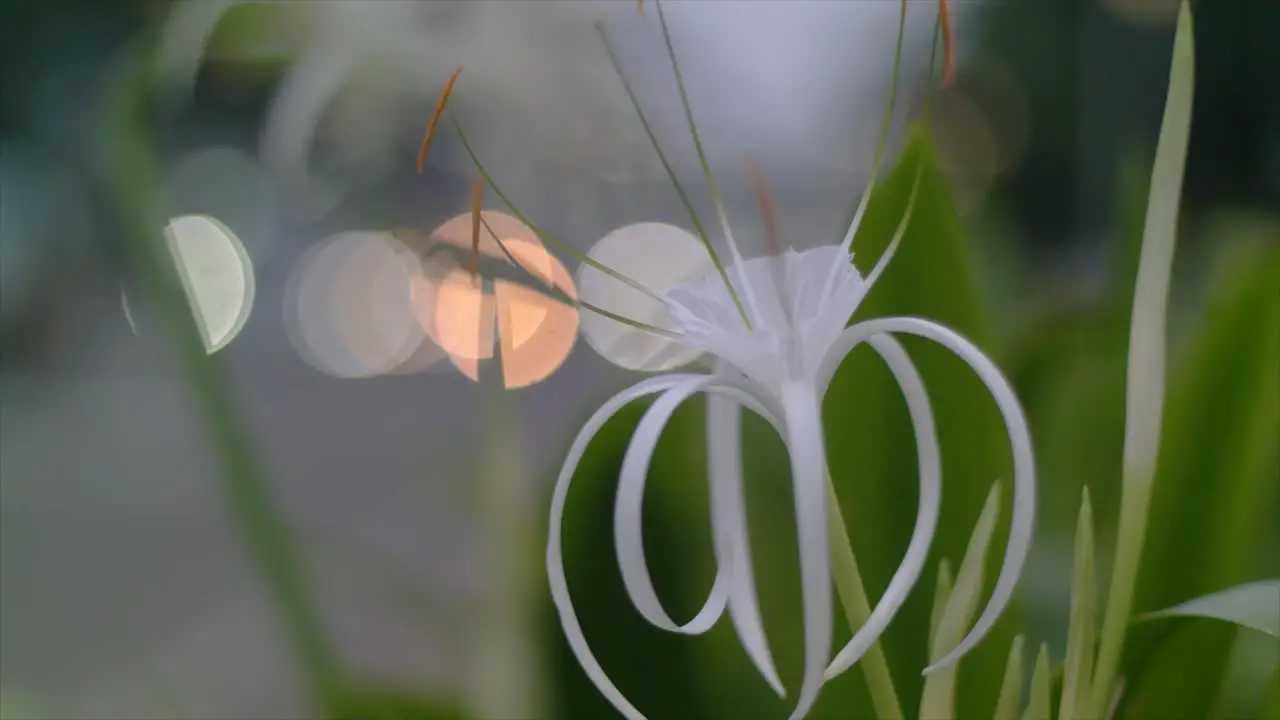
(1041,688)
(1011,687)
(941,592)
(870,444)
(1271,704)
(1253,605)
(938,698)
(1145,379)
(1080,633)
(1215,494)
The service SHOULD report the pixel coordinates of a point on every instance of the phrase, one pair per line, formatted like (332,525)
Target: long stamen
(555,293)
(855,216)
(573,252)
(772,241)
(712,187)
(666,165)
(477,199)
(949,58)
(435,118)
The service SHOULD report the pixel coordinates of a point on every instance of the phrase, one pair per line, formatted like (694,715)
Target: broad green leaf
(1271,703)
(869,437)
(1011,687)
(1041,688)
(1078,665)
(1145,378)
(950,626)
(1253,605)
(1215,494)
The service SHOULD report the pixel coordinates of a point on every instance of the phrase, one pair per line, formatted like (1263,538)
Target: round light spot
(349,308)
(216,273)
(466,313)
(658,256)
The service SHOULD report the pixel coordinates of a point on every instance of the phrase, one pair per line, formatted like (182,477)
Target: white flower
(775,330)
(780,367)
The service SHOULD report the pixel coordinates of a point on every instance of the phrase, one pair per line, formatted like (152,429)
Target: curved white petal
(555,558)
(930,468)
(629,511)
(294,116)
(803,419)
(1024,489)
(729,517)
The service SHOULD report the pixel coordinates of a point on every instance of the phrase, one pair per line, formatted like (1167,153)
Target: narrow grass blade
(1011,688)
(1081,629)
(1144,401)
(1041,689)
(941,592)
(938,698)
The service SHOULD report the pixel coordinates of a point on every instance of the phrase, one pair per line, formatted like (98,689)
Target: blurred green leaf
(1215,490)
(1041,688)
(951,624)
(1271,703)
(1011,686)
(1253,605)
(1145,379)
(869,437)
(1078,666)
(941,591)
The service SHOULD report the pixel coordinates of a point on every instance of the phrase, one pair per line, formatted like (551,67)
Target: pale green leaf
(938,697)
(1253,605)
(941,592)
(1011,688)
(1080,632)
(1038,702)
(1145,385)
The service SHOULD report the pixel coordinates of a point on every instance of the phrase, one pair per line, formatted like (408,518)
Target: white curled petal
(1024,490)
(930,469)
(803,417)
(628,512)
(729,517)
(555,557)
(628,521)
(295,114)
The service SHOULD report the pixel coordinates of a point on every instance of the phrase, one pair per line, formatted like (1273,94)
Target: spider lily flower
(775,329)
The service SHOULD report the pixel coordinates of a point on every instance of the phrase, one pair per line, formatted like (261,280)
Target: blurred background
(408,448)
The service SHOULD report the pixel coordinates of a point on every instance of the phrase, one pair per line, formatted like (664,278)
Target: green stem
(853,597)
(133,173)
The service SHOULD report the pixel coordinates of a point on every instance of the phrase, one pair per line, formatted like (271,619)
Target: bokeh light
(349,308)
(216,274)
(658,256)
(466,313)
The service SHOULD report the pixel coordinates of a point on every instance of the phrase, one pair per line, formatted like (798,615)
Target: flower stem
(853,598)
(133,174)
